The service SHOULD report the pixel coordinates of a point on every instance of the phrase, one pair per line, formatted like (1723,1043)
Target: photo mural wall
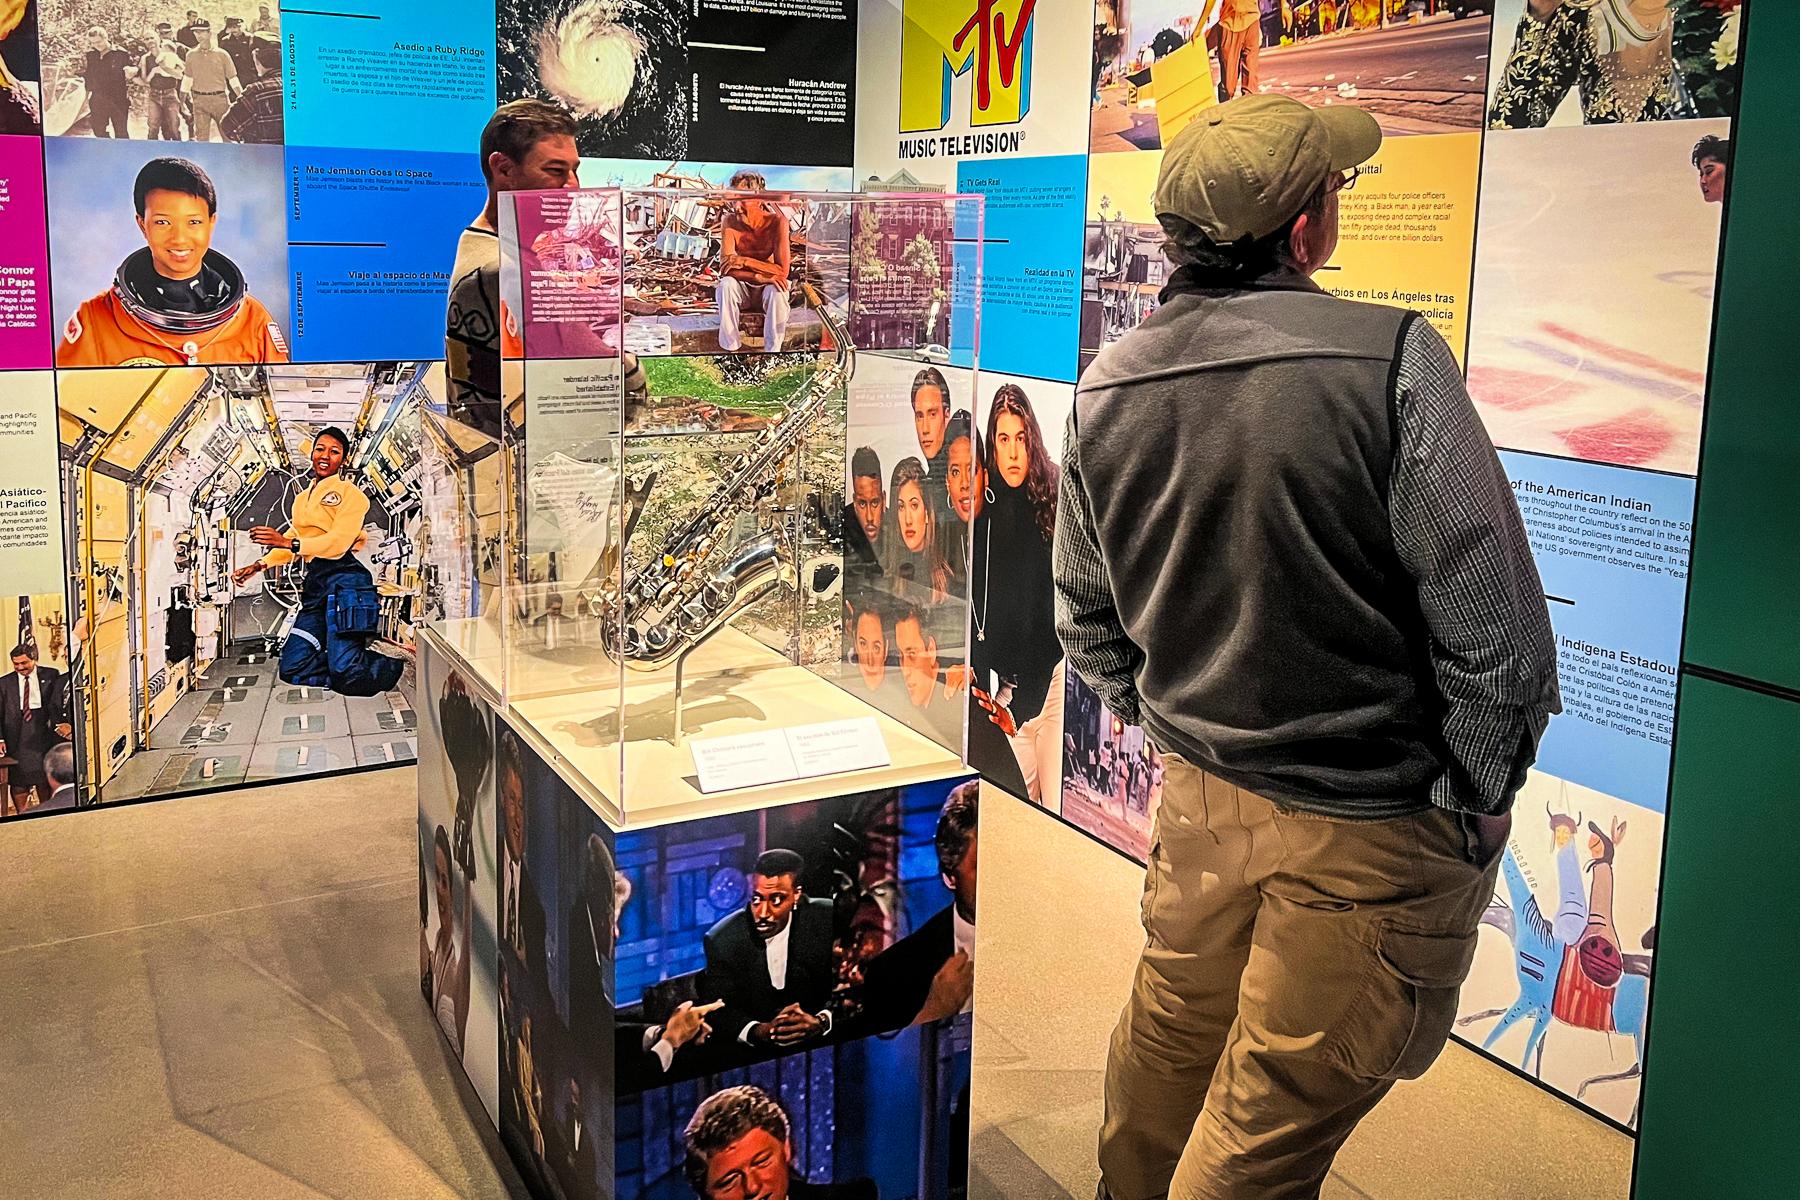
(1548,195)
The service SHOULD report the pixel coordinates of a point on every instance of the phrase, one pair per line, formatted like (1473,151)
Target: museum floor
(217,996)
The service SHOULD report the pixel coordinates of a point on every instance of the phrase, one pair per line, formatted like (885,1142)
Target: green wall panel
(1744,606)
(1721,1116)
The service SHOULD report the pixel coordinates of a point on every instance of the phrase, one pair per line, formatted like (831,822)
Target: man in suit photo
(33,718)
(521,910)
(569,1148)
(740,1146)
(59,770)
(930,974)
(771,962)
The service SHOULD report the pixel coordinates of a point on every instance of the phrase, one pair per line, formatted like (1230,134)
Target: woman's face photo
(178,229)
(959,479)
(913,515)
(1012,455)
(327,456)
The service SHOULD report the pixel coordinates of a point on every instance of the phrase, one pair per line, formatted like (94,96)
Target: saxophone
(690,591)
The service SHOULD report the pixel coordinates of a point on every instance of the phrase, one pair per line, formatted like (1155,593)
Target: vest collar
(1192,281)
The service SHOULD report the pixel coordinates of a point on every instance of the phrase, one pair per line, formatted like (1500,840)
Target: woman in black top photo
(1017,660)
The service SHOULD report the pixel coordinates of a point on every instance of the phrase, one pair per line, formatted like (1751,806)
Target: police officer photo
(328,643)
(176,300)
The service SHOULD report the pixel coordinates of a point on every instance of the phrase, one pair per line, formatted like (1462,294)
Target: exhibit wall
(1549,196)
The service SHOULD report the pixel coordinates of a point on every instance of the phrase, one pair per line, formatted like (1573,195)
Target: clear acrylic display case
(696,382)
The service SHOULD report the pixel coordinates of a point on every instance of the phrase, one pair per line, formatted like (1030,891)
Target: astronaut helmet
(183,307)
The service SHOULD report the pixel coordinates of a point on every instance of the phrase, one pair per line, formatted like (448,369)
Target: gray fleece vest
(1236,451)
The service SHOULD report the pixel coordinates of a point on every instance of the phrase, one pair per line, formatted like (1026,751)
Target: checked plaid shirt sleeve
(1456,527)
(1458,530)
(1097,645)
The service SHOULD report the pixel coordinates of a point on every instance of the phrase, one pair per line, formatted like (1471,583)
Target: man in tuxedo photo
(32,719)
(740,1146)
(771,962)
(521,911)
(930,974)
(569,1147)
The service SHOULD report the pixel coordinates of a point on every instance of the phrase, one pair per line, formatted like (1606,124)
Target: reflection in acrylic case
(680,526)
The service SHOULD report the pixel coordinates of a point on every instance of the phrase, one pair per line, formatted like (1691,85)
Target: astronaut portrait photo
(197,276)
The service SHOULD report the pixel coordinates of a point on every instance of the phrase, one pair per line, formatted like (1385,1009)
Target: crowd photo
(113,70)
(906,530)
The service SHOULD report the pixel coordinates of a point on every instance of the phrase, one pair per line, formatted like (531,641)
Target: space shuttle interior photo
(215,554)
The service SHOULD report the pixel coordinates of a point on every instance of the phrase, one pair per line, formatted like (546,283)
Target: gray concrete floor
(1059,937)
(217,996)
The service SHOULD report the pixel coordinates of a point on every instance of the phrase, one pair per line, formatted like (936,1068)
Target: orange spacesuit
(127,326)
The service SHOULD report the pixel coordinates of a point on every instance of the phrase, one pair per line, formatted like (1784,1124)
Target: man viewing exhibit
(328,645)
(526,146)
(177,300)
(1308,580)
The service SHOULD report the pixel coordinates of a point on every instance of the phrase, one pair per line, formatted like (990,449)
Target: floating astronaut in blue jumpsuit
(328,645)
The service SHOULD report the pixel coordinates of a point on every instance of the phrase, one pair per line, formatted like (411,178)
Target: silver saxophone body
(697,585)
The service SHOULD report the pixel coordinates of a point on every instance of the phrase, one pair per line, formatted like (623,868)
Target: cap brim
(1355,135)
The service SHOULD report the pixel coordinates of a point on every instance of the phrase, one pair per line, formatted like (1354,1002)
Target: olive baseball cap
(1247,167)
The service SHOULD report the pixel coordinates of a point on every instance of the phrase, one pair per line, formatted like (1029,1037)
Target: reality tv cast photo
(779,998)
(911,493)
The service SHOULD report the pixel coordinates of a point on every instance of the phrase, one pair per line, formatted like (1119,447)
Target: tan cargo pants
(1296,967)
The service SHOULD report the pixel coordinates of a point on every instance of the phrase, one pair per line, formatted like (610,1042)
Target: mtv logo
(942,39)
